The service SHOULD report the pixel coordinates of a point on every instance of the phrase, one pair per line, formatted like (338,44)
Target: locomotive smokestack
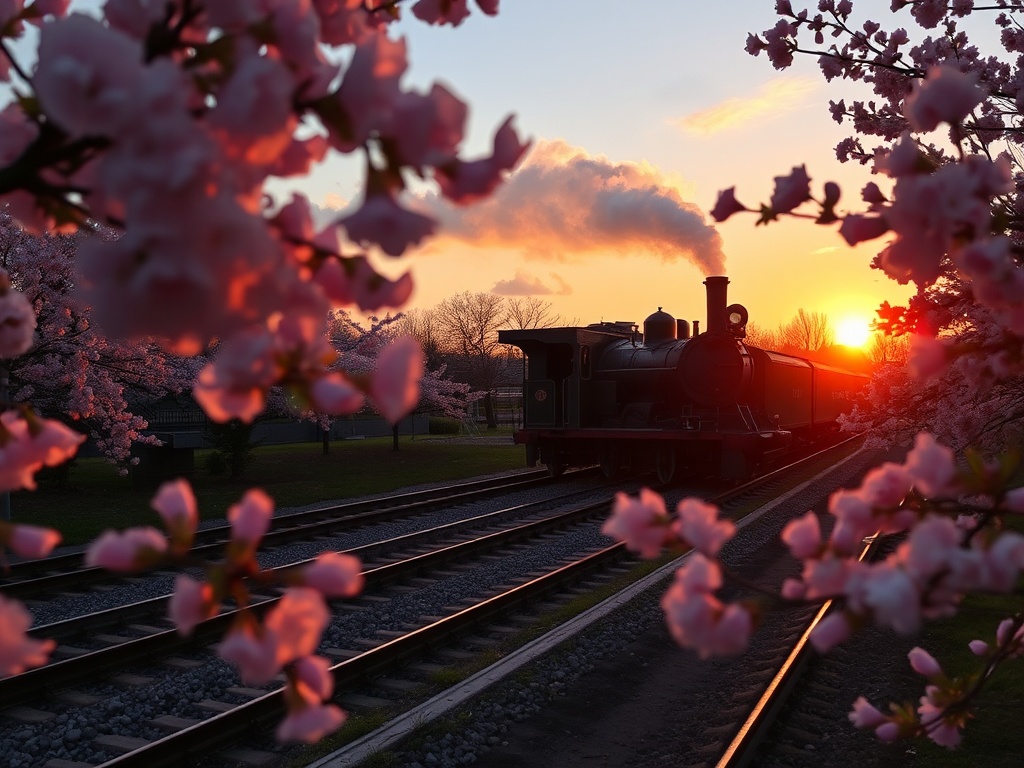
(717,288)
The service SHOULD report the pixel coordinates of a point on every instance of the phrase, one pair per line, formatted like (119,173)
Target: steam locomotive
(668,399)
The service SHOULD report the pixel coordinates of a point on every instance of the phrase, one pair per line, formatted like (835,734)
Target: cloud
(329,210)
(563,203)
(773,98)
(825,249)
(528,285)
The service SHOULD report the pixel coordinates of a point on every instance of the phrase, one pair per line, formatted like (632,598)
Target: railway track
(138,633)
(39,579)
(411,644)
(736,502)
(31,578)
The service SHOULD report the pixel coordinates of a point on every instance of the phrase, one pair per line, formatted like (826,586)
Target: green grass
(97,498)
(992,738)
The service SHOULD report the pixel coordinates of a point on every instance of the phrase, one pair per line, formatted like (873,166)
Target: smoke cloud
(562,203)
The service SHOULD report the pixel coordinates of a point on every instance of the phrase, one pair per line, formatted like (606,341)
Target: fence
(508,407)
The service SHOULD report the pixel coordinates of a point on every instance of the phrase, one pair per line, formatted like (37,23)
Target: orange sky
(607,217)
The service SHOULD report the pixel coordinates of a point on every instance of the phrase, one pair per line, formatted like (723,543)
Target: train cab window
(585,362)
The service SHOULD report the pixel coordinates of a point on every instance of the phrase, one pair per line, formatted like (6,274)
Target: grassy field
(96,497)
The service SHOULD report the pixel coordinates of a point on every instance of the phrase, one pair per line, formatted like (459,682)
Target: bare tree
(425,326)
(470,323)
(764,338)
(888,348)
(530,312)
(807,331)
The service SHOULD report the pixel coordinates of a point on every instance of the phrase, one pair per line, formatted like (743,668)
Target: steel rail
(34,683)
(283,528)
(742,749)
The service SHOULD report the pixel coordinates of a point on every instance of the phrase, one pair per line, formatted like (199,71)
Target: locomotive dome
(659,328)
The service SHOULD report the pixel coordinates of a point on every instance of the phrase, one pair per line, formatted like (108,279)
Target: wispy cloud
(530,285)
(563,203)
(773,98)
(825,249)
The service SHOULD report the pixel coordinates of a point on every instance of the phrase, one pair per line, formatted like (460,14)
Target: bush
(233,441)
(443,425)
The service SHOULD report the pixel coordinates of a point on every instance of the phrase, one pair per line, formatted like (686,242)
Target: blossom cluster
(939,561)
(161,113)
(947,208)
(285,639)
(150,129)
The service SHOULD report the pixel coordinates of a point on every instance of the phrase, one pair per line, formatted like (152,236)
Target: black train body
(665,399)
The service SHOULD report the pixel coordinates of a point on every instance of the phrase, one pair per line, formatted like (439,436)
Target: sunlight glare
(853,332)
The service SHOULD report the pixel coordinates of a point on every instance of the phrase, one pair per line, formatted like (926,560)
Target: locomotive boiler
(670,399)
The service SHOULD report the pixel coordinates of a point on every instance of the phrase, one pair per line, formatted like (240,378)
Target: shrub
(444,425)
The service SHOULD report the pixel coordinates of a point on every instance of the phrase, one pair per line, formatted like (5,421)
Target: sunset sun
(853,332)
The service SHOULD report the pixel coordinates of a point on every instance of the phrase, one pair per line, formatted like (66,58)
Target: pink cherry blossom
(357,283)
(126,551)
(253,650)
(793,589)
(395,385)
(234,385)
(930,465)
(830,632)
(383,221)
(948,95)
(927,357)
(452,12)
(826,577)
(256,100)
(888,732)
(698,524)
(857,228)
(943,729)
(30,444)
(465,182)
(313,678)
(87,75)
(334,574)
(427,129)
(176,505)
(19,652)
(726,205)
(333,393)
(17,321)
(864,715)
(924,663)
(854,519)
(893,598)
(1014,500)
(978,647)
(642,524)
(295,624)
(310,724)
(250,518)
(29,541)
(803,536)
(791,191)
(696,619)
(191,603)
(887,485)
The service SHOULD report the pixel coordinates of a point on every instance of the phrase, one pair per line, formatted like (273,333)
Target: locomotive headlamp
(736,319)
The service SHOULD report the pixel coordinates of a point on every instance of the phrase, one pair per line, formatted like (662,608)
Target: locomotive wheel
(665,463)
